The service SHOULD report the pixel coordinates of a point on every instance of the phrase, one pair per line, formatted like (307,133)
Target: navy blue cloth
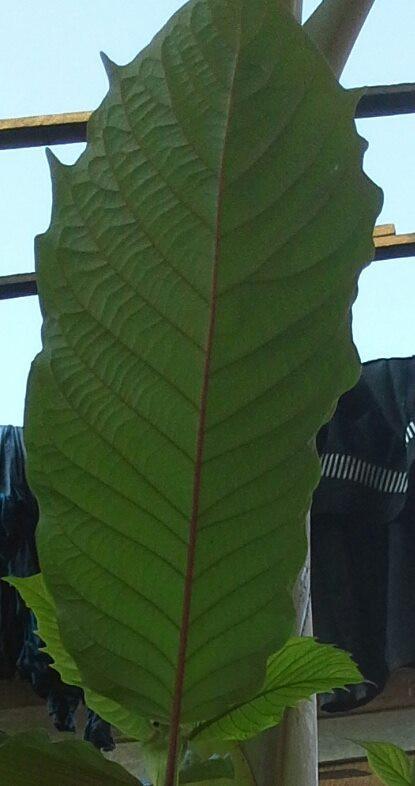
(362,528)
(13,616)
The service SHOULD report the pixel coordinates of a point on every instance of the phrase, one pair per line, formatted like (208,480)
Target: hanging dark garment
(363,533)
(18,508)
(13,615)
(62,700)
(20,647)
(18,517)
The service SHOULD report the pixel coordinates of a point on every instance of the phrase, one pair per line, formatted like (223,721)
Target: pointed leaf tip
(53,160)
(390,764)
(109,65)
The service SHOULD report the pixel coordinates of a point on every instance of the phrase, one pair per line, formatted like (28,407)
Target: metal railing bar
(67,128)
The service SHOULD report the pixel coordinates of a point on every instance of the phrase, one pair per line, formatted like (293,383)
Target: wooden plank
(388,246)
(384,229)
(386,717)
(70,127)
(350,773)
(42,130)
(394,246)
(354,773)
(383,241)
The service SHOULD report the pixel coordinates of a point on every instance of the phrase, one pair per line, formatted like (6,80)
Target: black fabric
(18,517)
(20,647)
(12,629)
(363,533)
(98,732)
(18,508)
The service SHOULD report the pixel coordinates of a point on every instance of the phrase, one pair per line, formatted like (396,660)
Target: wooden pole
(335,27)
(296,8)
(287,755)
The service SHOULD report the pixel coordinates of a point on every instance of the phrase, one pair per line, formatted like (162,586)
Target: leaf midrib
(200,443)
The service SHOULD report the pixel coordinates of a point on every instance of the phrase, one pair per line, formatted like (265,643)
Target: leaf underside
(195,284)
(390,763)
(33,759)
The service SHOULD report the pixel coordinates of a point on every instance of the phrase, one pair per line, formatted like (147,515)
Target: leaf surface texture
(195,283)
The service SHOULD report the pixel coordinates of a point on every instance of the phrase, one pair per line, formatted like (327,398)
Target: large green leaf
(32,760)
(300,669)
(195,283)
(37,597)
(390,763)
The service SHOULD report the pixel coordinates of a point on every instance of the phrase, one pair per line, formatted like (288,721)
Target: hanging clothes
(12,629)
(363,534)
(62,700)
(18,517)
(18,508)
(20,647)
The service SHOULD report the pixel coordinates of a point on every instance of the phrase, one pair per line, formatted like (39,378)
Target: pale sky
(49,62)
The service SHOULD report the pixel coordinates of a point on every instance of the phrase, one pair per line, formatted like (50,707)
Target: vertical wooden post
(287,755)
(335,27)
(296,8)
(298,757)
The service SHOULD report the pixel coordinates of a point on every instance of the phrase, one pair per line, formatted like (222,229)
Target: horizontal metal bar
(18,285)
(378,101)
(43,130)
(387,100)
(387,244)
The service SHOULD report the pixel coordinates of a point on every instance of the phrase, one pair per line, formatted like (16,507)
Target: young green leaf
(299,670)
(32,759)
(242,773)
(196,283)
(390,763)
(35,595)
(217,768)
